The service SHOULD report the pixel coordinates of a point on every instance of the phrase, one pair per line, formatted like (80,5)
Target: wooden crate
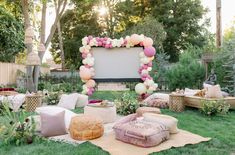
(194,101)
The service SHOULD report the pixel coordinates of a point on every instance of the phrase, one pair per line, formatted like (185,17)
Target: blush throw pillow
(214,92)
(68,101)
(52,125)
(52,110)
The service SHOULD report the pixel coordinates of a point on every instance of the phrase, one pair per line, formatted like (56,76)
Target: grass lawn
(220,128)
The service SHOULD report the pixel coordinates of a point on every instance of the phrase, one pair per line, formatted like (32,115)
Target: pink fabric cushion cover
(140,133)
(52,125)
(214,92)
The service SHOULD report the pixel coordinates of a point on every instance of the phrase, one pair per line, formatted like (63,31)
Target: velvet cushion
(52,125)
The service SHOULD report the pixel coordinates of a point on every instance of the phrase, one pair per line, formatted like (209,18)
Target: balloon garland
(87,71)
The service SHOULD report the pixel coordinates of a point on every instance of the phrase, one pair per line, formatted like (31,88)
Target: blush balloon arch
(87,72)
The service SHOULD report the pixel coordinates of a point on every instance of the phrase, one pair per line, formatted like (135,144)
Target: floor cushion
(55,109)
(107,114)
(156,102)
(169,121)
(82,100)
(52,125)
(141,133)
(85,127)
(142,110)
(68,101)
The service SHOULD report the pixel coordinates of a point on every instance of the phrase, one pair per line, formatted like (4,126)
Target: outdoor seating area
(117,77)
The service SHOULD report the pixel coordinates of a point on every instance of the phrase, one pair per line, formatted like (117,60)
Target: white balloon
(149,68)
(149,91)
(156,85)
(140,88)
(144,72)
(142,54)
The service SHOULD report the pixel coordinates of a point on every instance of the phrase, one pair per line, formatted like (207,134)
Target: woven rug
(108,142)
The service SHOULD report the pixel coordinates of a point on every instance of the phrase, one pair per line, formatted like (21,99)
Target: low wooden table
(176,102)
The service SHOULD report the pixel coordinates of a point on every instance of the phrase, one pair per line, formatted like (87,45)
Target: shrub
(127,104)
(188,72)
(16,127)
(52,98)
(211,108)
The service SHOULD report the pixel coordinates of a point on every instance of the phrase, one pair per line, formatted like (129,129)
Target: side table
(176,102)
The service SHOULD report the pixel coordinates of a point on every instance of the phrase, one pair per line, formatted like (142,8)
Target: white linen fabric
(82,100)
(52,110)
(190,92)
(15,101)
(166,120)
(68,101)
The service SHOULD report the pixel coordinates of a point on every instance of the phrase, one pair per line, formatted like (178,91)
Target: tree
(33,72)
(75,24)
(180,19)
(11,36)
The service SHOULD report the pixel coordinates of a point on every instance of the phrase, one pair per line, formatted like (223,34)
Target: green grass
(220,128)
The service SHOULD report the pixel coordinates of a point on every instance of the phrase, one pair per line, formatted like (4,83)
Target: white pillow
(68,101)
(190,92)
(82,100)
(52,110)
(168,121)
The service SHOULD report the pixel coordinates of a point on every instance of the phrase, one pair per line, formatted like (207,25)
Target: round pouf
(141,110)
(107,114)
(85,127)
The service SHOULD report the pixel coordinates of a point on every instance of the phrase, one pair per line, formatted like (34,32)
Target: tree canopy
(173,24)
(11,36)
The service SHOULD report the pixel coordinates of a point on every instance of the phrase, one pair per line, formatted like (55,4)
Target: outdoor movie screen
(117,64)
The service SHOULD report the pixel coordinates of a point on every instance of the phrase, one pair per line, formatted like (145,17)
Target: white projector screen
(116,63)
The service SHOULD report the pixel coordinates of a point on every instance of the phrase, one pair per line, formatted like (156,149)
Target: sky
(227,15)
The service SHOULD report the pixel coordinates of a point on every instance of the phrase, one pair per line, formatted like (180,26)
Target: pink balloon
(90,83)
(150,64)
(106,46)
(100,43)
(135,39)
(149,51)
(85,74)
(147,42)
(84,55)
(89,93)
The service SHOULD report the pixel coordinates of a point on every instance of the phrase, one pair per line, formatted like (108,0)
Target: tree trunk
(61,45)
(29,47)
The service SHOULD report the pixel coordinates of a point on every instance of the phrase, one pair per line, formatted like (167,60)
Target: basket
(32,102)
(176,102)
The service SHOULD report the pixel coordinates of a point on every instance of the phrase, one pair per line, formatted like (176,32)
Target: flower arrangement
(87,71)
(211,108)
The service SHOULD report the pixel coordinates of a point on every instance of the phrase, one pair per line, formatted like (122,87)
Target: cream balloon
(90,83)
(140,88)
(147,42)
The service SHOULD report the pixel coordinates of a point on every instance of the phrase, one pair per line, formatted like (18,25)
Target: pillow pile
(73,100)
(53,110)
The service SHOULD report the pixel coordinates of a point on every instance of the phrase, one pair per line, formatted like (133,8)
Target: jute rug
(114,147)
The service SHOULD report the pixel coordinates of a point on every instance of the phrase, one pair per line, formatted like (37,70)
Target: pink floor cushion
(139,132)
(156,102)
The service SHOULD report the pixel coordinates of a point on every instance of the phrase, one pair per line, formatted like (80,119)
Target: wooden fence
(8,72)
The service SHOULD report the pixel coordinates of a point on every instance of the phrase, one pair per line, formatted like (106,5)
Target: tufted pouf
(107,114)
(141,110)
(133,130)
(85,127)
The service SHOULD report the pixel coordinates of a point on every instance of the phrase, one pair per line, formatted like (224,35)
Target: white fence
(8,72)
